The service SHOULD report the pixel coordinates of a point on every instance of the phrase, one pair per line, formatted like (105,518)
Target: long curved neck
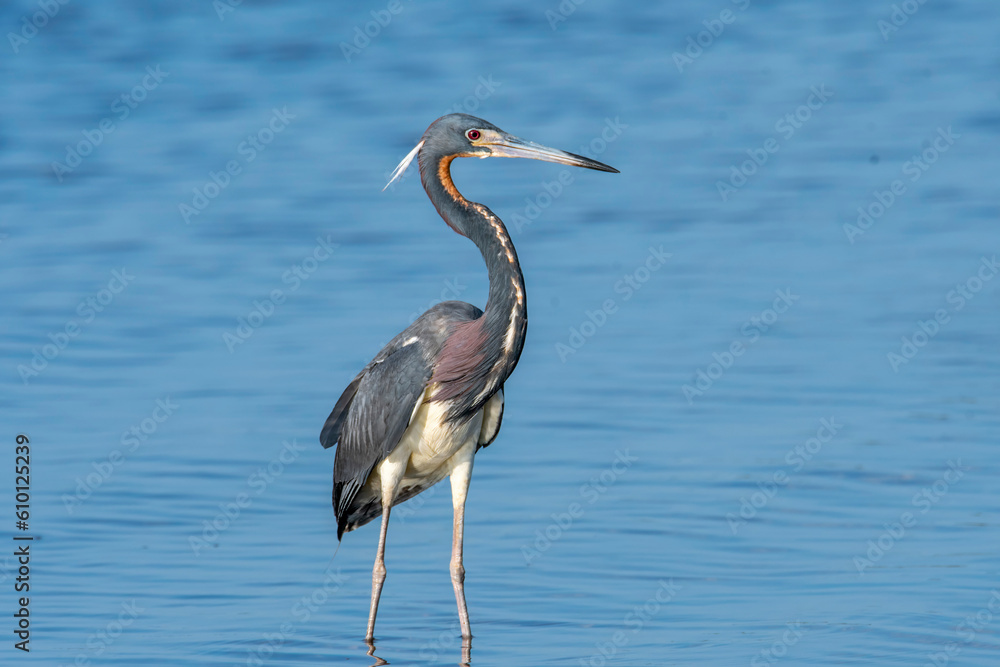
(505,317)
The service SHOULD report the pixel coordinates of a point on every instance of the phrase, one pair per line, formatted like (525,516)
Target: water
(802,502)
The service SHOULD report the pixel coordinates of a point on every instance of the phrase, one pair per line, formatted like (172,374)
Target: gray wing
(330,434)
(431,331)
(370,418)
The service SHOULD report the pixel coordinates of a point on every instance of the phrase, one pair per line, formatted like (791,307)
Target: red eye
(472,135)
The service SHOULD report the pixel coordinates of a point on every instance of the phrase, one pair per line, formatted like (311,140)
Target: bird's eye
(472,135)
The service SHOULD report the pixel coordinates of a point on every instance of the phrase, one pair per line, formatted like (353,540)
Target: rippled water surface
(751,425)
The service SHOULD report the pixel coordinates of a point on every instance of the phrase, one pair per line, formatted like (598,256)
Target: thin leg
(390,472)
(378,574)
(460,477)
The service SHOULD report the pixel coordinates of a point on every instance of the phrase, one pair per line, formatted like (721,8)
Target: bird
(434,395)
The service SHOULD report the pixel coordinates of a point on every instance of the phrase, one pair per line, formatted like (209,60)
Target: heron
(433,396)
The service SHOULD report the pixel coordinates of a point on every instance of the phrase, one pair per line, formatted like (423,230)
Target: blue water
(685,475)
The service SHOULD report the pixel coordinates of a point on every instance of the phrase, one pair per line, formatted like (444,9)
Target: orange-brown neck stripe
(444,175)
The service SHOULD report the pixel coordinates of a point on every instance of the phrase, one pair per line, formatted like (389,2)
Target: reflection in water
(466,654)
(371,652)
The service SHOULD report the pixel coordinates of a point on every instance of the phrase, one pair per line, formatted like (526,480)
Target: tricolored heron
(422,408)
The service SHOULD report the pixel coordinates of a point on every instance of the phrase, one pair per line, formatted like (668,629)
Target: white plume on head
(401,167)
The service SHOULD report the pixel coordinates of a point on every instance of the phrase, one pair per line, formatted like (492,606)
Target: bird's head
(462,135)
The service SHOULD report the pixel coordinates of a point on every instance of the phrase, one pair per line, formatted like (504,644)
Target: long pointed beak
(511,146)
